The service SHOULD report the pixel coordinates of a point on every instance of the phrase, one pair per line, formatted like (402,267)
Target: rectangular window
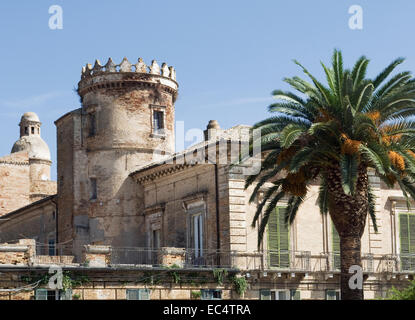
(93,186)
(92,124)
(295,294)
(211,294)
(407,241)
(197,234)
(65,294)
(33,130)
(51,247)
(267,294)
(45,294)
(155,243)
(278,239)
(155,246)
(158,122)
(336,247)
(138,294)
(332,294)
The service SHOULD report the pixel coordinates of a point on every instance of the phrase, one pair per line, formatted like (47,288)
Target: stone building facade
(128,208)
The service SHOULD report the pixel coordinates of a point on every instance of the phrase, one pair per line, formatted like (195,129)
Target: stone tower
(126,121)
(37,149)
(25,172)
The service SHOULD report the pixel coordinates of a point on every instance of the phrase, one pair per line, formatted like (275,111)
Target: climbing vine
(219,275)
(240,285)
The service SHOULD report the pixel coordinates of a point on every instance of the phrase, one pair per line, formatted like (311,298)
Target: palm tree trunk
(348,214)
(349,256)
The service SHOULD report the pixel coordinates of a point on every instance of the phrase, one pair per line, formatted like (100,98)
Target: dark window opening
(26,130)
(211,294)
(51,295)
(33,130)
(93,182)
(158,122)
(51,247)
(92,125)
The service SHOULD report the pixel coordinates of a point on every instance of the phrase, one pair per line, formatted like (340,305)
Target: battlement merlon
(113,75)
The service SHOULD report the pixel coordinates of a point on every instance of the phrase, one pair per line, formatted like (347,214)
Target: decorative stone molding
(154,209)
(14,163)
(158,172)
(195,200)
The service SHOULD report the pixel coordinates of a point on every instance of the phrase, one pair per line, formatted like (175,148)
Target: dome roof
(30,116)
(34,145)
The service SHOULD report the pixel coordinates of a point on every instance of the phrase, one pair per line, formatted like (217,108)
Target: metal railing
(278,260)
(187,258)
(256,260)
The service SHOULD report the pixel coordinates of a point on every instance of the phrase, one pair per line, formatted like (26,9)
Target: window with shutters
(45,294)
(407,241)
(278,240)
(41,294)
(211,294)
(196,238)
(270,294)
(138,294)
(335,248)
(332,294)
(295,294)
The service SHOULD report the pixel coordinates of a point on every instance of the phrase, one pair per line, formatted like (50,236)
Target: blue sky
(229,55)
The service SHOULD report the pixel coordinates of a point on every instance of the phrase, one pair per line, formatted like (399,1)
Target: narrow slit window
(93,183)
(92,125)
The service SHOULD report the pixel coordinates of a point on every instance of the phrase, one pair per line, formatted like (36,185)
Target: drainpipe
(217,207)
(56,224)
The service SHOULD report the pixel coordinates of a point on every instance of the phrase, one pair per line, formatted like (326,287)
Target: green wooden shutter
(278,239)
(336,247)
(273,241)
(144,294)
(265,294)
(41,294)
(407,239)
(411,228)
(295,294)
(284,239)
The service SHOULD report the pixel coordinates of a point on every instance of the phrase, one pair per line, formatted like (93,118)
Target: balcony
(26,252)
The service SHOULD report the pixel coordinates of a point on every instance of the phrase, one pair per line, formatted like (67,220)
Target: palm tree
(332,135)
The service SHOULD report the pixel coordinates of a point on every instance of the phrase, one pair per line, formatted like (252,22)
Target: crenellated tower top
(126,74)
